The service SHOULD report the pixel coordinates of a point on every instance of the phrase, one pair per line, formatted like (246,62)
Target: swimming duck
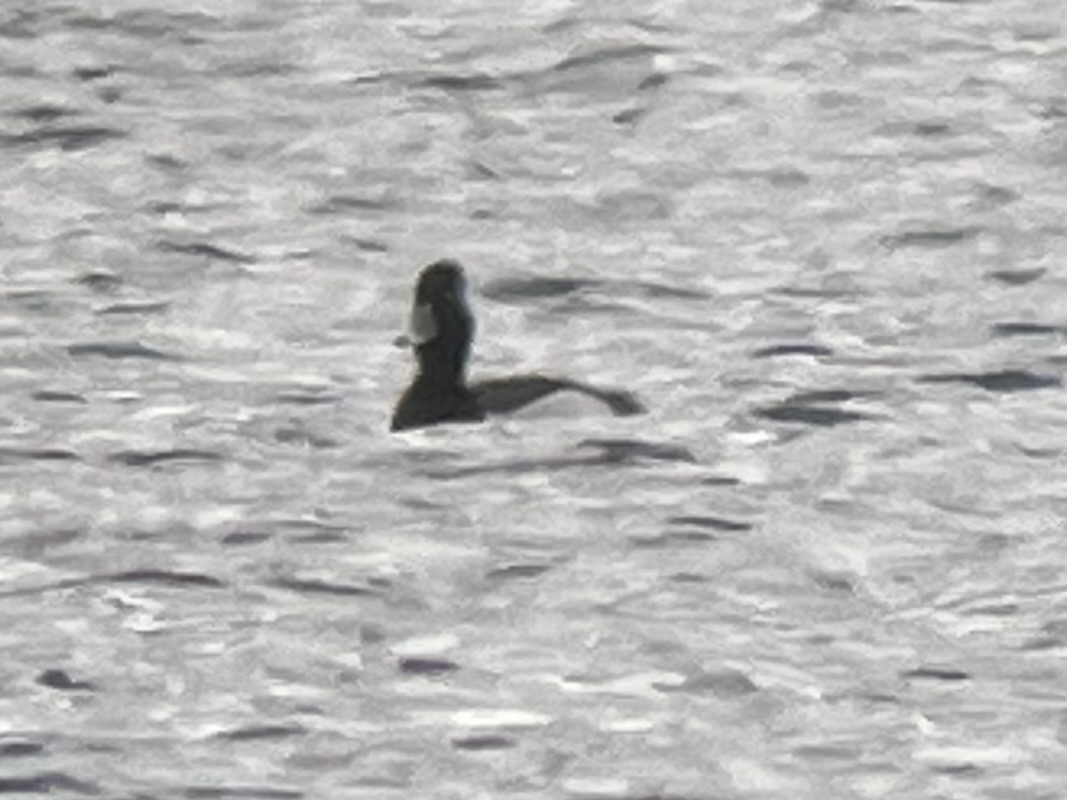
(442,328)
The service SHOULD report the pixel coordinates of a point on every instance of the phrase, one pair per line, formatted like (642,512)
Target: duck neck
(443,366)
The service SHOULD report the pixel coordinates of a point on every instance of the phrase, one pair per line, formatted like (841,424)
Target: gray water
(823,242)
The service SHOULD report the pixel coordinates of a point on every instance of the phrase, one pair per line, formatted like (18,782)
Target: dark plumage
(442,331)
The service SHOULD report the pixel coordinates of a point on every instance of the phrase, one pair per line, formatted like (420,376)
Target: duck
(441,333)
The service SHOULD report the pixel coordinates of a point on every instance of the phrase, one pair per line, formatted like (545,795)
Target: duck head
(442,325)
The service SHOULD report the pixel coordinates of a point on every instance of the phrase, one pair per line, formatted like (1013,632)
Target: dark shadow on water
(503,395)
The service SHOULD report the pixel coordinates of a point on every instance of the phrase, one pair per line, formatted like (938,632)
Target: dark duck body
(442,328)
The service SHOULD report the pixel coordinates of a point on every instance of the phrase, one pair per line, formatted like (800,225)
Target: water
(822,242)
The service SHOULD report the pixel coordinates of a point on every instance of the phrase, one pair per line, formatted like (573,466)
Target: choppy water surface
(823,242)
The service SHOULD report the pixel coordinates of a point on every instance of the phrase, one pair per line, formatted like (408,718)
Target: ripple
(1016,277)
(1027,329)
(43,113)
(240,538)
(427,666)
(298,435)
(249,792)
(772,351)
(150,458)
(653,81)
(518,571)
(204,250)
(672,538)
(9,454)
(47,783)
(119,350)
(617,451)
(20,749)
(990,196)
(149,24)
(51,396)
(60,680)
(712,523)
(75,137)
(937,674)
(341,203)
(727,683)
(254,733)
(164,577)
(607,55)
(808,408)
(810,415)
(521,289)
(92,73)
(481,743)
(928,239)
(316,586)
(134,308)
(612,452)
(1008,380)
(828,396)
(462,83)
(534,288)
(100,281)
(629,116)
(368,245)
(307,397)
